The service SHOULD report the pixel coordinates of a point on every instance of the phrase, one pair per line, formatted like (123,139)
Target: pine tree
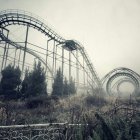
(66,87)
(58,84)
(61,88)
(34,83)
(25,85)
(72,88)
(10,82)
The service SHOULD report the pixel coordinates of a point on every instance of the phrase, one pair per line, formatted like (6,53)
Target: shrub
(34,102)
(43,101)
(93,100)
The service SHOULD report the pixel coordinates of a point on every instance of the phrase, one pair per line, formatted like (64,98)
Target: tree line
(34,83)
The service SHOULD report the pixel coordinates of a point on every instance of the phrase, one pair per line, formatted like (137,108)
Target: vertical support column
(93,83)
(77,69)
(87,81)
(46,70)
(69,65)
(47,49)
(62,67)
(84,72)
(19,57)
(53,58)
(62,61)
(15,57)
(6,56)
(25,49)
(5,47)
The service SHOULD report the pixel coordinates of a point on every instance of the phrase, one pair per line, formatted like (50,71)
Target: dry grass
(73,109)
(102,114)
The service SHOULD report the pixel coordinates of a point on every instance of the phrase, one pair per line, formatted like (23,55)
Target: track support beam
(24,55)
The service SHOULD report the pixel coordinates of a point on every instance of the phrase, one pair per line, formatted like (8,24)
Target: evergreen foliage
(63,88)
(25,85)
(72,88)
(34,83)
(10,82)
(58,84)
(66,87)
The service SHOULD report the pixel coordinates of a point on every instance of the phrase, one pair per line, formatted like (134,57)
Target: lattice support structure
(69,55)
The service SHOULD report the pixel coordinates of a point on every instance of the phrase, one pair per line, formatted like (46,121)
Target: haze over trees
(34,83)
(62,87)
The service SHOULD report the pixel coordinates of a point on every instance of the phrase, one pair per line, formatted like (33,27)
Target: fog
(109,30)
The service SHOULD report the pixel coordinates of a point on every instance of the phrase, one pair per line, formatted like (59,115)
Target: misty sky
(108,29)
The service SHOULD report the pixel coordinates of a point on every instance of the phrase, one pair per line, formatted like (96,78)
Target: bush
(43,101)
(34,102)
(91,100)
(10,95)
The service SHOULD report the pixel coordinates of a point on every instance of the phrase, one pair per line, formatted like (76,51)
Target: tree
(34,82)
(58,84)
(10,82)
(61,88)
(25,85)
(72,88)
(65,87)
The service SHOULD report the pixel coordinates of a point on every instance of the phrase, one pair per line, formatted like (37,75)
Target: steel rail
(116,70)
(10,17)
(108,85)
(121,71)
(89,64)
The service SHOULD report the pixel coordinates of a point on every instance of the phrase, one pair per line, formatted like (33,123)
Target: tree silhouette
(72,88)
(66,87)
(61,88)
(58,84)
(10,82)
(34,82)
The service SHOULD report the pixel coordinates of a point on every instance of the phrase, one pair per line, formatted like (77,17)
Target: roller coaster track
(89,63)
(120,69)
(133,76)
(10,17)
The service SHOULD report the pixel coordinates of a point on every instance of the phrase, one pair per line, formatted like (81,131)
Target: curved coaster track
(123,75)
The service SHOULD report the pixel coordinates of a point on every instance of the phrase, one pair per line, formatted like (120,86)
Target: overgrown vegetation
(85,117)
(112,120)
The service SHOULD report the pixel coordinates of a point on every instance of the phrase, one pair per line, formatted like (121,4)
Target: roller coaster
(74,49)
(56,52)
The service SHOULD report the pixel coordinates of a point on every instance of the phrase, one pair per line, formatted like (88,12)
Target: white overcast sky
(108,29)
